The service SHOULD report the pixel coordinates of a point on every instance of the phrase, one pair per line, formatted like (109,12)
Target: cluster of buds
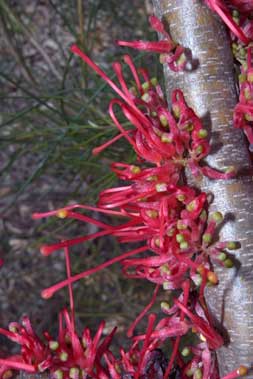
(174,228)
(238,16)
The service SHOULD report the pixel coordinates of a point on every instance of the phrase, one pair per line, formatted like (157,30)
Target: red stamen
(48,292)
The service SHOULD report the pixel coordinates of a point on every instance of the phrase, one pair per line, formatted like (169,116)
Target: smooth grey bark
(210,90)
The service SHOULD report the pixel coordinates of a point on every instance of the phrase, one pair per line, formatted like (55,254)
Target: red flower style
(170,53)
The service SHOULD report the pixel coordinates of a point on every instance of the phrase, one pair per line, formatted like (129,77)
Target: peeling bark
(210,90)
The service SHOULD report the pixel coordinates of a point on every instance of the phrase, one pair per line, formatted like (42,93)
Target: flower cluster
(238,16)
(68,356)
(177,236)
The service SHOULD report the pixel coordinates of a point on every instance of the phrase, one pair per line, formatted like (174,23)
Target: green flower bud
(217,217)
(154,81)
(161,187)
(207,238)
(163,120)
(185,352)
(222,256)
(202,133)
(232,245)
(145,86)
(228,263)
(53,345)
(184,245)
(58,374)
(180,238)
(63,356)
(198,374)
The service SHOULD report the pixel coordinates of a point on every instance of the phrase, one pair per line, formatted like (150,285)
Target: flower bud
(145,86)
(207,238)
(198,374)
(217,217)
(152,213)
(242,371)
(74,373)
(165,306)
(53,345)
(202,133)
(185,352)
(154,81)
(163,120)
(135,169)
(184,245)
(166,138)
(161,187)
(222,256)
(62,213)
(180,238)
(228,263)
(146,97)
(58,374)
(232,245)
(212,277)
(63,356)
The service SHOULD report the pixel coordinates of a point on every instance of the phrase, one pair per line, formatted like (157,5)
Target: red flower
(171,53)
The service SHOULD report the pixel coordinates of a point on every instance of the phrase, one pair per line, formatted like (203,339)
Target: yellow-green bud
(180,238)
(165,268)
(145,97)
(199,149)
(184,245)
(228,263)
(161,187)
(232,245)
(152,213)
(166,285)
(203,215)
(222,256)
(242,78)
(176,111)
(217,216)
(58,374)
(53,345)
(207,238)
(198,374)
(154,81)
(185,352)
(202,133)
(166,138)
(191,206)
(135,169)
(181,197)
(63,356)
(189,372)
(145,86)
(74,373)
(163,120)
(165,306)
(181,225)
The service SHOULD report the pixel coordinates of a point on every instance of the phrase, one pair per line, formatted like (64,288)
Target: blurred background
(53,112)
